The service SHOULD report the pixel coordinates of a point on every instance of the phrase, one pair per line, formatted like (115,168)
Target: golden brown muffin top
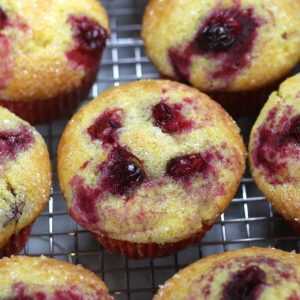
(47,47)
(150,161)
(275,149)
(47,278)
(25,174)
(228,45)
(251,273)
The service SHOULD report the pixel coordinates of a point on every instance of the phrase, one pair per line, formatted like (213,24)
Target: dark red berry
(217,37)
(13,141)
(105,127)
(163,116)
(245,285)
(184,166)
(3,18)
(125,175)
(294,130)
(169,118)
(227,35)
(89,35)
(226,28)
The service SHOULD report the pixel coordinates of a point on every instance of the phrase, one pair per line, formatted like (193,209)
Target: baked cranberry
(169,118)
(90,40)
(3,18)
(225,28)
(184,166)
(163,116)
(294,130)
(90,36)
(105,127)
(245,285)
(13,141)
(217,37)
(125,175)
(227,35)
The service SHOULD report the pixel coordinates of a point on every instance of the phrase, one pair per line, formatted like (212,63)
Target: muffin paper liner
(148,250)
(241,104)
(294,226)
(44,111)
(16,242)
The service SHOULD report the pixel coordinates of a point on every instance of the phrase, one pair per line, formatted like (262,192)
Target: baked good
(49,279)
(141,157)
(25,180)
(274,150)
(50,53)
(236,50)
(251,273)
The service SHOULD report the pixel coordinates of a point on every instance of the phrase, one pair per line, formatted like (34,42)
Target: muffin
(25,180)
(141,157)
(50,53)
(237,51)
(275,150)
(45,278)
(253,273)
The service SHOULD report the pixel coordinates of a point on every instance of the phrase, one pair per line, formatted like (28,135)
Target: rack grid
(248,221)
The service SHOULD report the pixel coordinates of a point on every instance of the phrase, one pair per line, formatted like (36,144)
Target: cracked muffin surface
(25,175)
(141,156)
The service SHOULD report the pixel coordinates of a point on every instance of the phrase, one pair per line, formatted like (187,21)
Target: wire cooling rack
(248,221)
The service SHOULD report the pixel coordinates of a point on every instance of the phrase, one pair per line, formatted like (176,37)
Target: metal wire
(248,221)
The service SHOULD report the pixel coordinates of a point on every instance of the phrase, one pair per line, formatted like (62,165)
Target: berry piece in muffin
(28,278)
(227,49)
(143,155)
(90,40)
(227,35)
(49,64)
(245,274)
(24,182)
(275,149)
(3,18)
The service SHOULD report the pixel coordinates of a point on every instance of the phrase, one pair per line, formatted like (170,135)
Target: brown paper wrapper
(47,110)
(148,250)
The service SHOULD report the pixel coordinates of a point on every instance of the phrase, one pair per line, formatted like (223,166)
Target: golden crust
(283,194)
(43,274)
(41,69)
(29,175)
(161,206)
(186,281)
(175,22)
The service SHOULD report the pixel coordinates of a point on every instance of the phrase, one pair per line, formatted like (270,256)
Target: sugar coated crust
(53,279)
(36,38)
(258,273)
(265,49)
(274,150)
(25,174)
(150,210)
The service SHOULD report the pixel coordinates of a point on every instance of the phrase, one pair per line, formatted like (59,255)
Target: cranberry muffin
(50,53)
(235,50)
(253,273)
(275,150)
(25,180)
(45,278)
(144,155)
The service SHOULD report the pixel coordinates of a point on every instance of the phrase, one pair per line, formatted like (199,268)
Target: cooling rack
(248,221)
